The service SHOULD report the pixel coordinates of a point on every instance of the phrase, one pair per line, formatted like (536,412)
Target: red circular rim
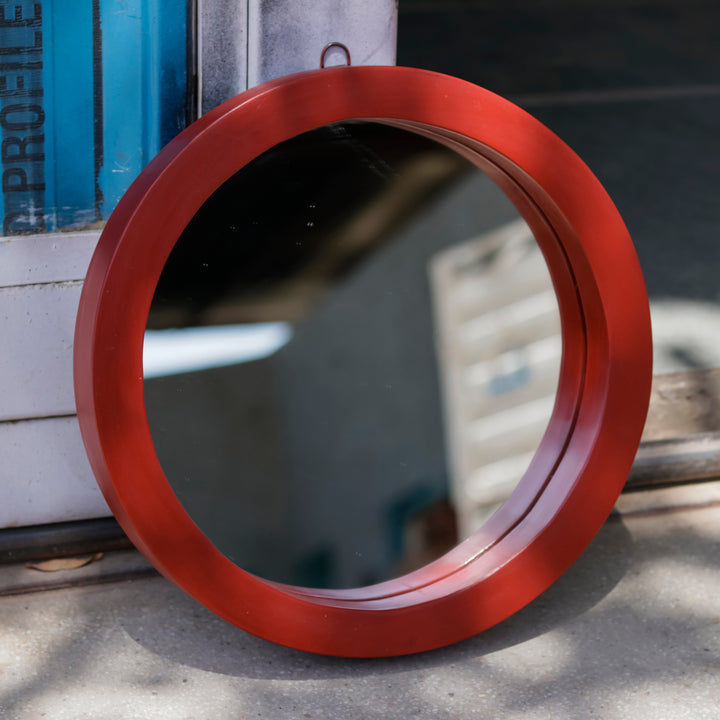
(581,464)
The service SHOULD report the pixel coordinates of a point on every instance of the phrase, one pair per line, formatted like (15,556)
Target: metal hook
(332,45)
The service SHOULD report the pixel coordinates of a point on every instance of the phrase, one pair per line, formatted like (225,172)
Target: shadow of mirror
(351,356)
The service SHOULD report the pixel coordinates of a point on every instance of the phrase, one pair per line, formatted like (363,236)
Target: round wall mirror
(316,349)
(351,357)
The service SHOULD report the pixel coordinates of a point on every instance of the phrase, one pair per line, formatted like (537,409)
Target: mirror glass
(351,356)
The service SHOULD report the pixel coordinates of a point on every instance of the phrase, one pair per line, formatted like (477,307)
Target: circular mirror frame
(581,464)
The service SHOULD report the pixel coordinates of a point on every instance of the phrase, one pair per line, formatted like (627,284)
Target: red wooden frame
(583,459)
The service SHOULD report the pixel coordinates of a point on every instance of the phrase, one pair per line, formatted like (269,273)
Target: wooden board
(683,403)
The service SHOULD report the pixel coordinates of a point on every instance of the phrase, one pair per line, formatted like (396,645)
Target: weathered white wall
(45,475)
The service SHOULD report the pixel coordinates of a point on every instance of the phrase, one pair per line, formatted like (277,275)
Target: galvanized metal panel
(287,36)
(244,43)
(222,49)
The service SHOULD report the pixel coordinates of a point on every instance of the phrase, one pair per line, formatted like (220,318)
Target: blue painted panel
(99,86)
(126,147)
(68,81)
(143,86)
(22,117)
(172,67)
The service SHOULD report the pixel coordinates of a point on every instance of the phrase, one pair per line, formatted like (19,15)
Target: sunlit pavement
(632,630)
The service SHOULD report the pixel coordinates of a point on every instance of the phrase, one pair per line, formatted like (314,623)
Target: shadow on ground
(211,644)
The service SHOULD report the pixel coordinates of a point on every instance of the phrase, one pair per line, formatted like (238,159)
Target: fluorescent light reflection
(170,352)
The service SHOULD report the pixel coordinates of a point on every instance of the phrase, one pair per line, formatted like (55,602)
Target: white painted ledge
(51,258)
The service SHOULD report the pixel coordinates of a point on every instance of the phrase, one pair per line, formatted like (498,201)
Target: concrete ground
(632,630)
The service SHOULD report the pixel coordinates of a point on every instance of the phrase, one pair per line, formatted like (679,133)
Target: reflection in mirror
(351,356)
